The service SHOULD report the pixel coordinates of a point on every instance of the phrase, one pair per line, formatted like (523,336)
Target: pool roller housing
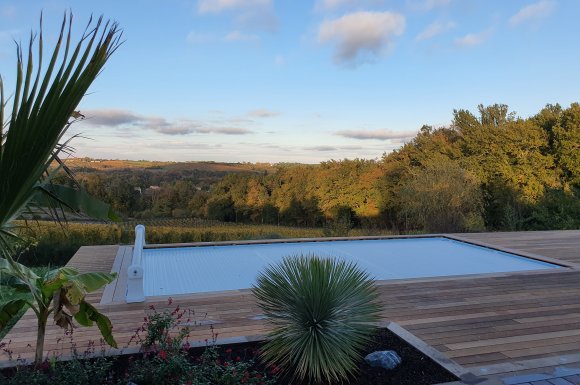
(135,271)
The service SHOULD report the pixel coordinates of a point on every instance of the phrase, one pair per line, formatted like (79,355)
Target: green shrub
(322,312)
(80,369)
(166,360)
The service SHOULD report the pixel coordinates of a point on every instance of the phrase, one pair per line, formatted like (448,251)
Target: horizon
(263,81)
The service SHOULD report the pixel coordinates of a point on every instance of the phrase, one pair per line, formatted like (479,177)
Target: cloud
(123,119)
(434,29)
(359,34)
(263,113)
(376,134)
(332,4)
(239,36)
(217,6)
(249,14)
(110,117)
(279,60)
(321,148)
(534,11)
(427,5)
(177,129)
(194,37)
(8,11)
(224,130)
(473,39)
(263,19)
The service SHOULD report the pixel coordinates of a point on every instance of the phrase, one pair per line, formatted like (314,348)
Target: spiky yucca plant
(321,311)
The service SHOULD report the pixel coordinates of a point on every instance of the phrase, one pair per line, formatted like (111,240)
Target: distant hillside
(100,165)
(152,189)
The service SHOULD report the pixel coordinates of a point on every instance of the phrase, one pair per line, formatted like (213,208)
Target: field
(56,244)
(88,165)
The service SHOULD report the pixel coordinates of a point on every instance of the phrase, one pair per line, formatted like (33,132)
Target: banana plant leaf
(9,310)
(93,281)
(74,284)
(89,314)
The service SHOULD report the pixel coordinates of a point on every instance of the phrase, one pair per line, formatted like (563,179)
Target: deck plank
(493,321)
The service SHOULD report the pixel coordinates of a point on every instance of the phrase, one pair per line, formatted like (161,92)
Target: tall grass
(55,244)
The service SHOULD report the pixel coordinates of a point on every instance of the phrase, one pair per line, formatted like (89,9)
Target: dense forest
(489,170)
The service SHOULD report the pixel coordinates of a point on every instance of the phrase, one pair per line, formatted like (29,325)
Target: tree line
(488,170)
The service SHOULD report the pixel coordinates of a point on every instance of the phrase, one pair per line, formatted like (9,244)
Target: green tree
(441,197)
(196,204)
(511,158)
(567,144)
(221,209)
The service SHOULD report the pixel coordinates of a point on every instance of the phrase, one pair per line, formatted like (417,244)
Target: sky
(303,80)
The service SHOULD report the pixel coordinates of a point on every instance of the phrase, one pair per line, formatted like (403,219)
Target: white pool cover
(170,271)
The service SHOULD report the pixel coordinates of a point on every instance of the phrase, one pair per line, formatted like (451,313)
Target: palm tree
(43,108)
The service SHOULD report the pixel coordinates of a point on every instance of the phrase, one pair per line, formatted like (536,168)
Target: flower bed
(165,358)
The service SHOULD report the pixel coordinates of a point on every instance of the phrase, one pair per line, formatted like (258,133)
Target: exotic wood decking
(492,325)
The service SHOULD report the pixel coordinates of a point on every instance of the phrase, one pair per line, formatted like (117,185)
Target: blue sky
(304,81)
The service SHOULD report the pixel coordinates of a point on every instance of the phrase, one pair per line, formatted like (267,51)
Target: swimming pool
(199,269)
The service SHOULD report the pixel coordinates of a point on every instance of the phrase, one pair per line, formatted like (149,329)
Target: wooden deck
(498,325)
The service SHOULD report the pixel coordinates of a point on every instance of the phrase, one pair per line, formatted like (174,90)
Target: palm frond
(43,104)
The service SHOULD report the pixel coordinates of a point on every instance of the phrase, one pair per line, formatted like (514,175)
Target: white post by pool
(135,271)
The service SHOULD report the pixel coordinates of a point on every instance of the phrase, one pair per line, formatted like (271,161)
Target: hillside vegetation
(488,170)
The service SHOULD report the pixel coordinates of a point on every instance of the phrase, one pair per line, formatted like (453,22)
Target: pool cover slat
(185,270)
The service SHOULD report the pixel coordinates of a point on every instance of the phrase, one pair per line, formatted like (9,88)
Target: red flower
(162,354)
(170,301)
(228,350)
(238,358)
(226,364)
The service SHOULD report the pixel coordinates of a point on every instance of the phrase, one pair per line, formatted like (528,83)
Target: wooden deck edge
(520,253)
(538,364)
(109,291)
(429,351)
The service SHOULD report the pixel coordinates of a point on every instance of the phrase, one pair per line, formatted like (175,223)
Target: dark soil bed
(415,369)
